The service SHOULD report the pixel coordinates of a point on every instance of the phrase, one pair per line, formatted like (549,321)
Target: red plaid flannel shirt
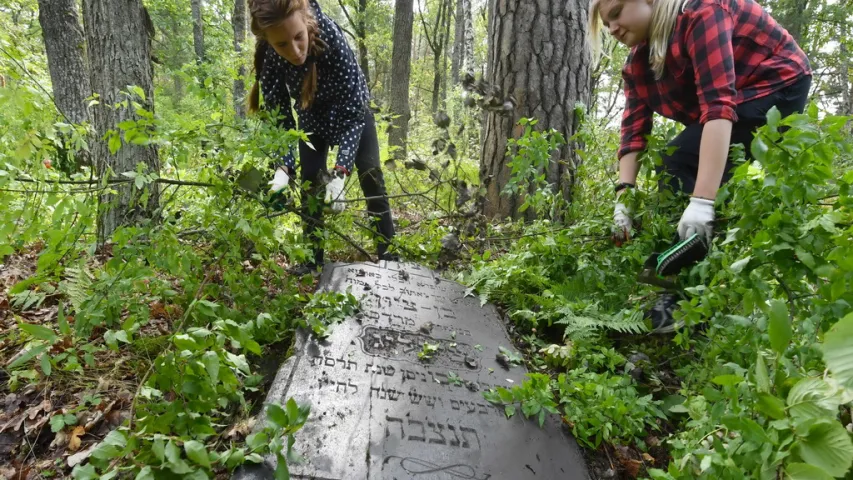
(722,53)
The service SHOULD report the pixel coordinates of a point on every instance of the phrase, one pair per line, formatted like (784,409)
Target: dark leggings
(683,164)
(367,167)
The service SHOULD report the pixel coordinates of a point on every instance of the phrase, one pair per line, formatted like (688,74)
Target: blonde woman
(716,66)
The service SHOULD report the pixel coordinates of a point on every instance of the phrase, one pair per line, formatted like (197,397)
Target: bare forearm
(628,168)
(713,152)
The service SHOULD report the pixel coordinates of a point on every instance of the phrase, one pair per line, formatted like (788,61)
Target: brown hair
(269,14)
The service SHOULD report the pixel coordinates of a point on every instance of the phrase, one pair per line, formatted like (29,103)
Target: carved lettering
(406,345)
(436,428)
(417,438)
(416,431)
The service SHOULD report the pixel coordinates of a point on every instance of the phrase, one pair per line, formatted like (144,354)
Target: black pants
(313,163)
(683,164)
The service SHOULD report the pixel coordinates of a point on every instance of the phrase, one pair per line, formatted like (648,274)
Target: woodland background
(146,306)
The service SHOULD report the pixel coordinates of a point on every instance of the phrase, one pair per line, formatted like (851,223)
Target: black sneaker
(661,315)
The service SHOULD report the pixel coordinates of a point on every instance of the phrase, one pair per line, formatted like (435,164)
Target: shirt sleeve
(348,95)
(277,102)
(637,117)
(709,37)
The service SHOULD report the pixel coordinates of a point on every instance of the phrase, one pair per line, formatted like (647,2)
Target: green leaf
(39,331)
(26,357)
(827,446)
(158,447)
(45,365)
(257,441)
(812,399)
(238,361)
(64,328)
(804,471)
(84,472)
(805,257)
(197,453)
(780,326)
(727,380)
(175,463)
(738,266)
(211,364)
(114,143)
(770,406)
(762,377)
(281,470)
(57,423)
(773,118)
(838,351)
(277,415)
(145,474)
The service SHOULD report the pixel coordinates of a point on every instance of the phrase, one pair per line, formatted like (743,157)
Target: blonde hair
(664,14)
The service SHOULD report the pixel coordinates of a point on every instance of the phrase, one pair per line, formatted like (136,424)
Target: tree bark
(401,67)
(238,20)
(458,39)
(198,31)
(437,43)
(362,40)
(537,54)
(446,50)
(64,44)
(118,34)
(468,40)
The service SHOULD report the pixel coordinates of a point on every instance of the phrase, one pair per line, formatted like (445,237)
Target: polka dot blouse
(337,113)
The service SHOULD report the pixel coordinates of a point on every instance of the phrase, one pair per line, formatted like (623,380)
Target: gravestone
(380,411)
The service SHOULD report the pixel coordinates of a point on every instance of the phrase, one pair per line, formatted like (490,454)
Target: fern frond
(77,285)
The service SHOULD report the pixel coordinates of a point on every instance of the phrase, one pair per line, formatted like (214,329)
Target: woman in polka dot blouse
(302,54)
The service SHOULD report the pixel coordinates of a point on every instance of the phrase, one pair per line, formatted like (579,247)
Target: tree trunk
(118,33)
(458,38)
(537,54)
(468,40)
(198,31)
(446,50)
(238,19)
(361,31)
(64,44)
(401,67)
(438,44)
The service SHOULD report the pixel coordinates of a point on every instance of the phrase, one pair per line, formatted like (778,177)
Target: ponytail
(255,95)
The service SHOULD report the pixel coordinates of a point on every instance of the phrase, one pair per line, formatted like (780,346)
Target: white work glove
(279,181)
(622,221)
(335,192)
(698,218)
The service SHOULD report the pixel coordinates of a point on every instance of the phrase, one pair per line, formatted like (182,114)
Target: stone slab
(379,411)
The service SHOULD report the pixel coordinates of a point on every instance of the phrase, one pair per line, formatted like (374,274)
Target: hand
(335,191)
(698,218)
(622,221)
(279,181)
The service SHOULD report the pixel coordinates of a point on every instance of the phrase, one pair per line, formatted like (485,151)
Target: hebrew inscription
(396,391)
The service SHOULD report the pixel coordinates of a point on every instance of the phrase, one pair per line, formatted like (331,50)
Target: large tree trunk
(198,31)
(238,19)
(401,67)
(64,44)
(458,38)
(118,33)
(537,54)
